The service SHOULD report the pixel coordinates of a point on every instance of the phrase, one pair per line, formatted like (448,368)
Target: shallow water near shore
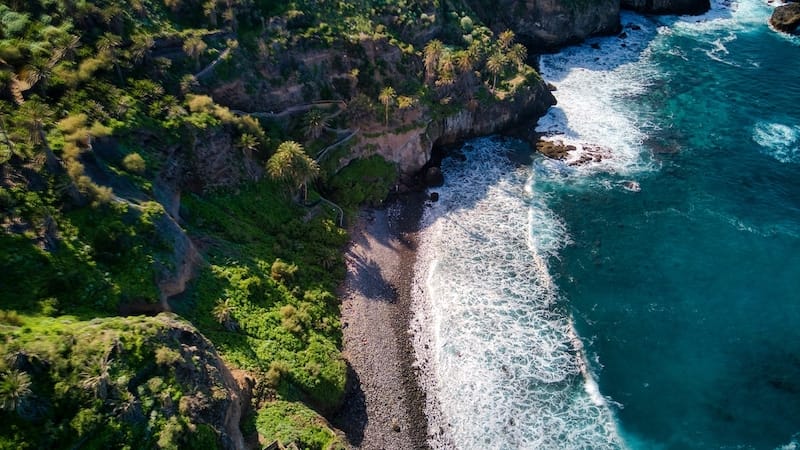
(651,300)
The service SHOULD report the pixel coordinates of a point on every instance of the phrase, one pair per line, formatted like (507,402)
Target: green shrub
(134,163)
(10,318)
(282,271)
(364,181)
(290,422)
(166,356)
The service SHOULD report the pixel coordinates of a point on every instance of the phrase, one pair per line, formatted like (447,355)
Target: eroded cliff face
(546,25)
(412,149)
(667,6)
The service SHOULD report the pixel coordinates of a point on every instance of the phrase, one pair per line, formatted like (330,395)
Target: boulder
(786,18)
(434,177)
(555,150)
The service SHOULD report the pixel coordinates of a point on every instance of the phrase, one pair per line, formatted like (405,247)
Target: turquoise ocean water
(648,300)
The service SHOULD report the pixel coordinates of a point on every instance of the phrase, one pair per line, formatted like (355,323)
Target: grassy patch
(364,181)
(96,384)
(290,422)
(267,297)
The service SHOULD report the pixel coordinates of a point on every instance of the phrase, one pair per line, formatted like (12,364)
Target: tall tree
(194,47)
(432,53)
(291,164)
(495,65)
(35,115)
(140,47)
(517,55)
(505,39)
(314,123)
(248,143)
(15,386)
(109,46)
(386,97)
(404,103)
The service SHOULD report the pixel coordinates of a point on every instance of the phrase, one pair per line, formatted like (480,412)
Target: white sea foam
(591,84)
(504,366)
(778,140)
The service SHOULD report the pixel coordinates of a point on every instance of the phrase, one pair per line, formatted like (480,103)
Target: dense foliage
(186,149)
(107,383)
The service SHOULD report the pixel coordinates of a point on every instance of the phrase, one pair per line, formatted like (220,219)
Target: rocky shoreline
(384,404)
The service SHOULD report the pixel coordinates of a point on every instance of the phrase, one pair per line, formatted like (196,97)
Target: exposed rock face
(786,18)
(545,25)
(668,6)
(528,104)
(412,149)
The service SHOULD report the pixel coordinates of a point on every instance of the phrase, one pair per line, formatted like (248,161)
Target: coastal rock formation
(134,376)
(545,25)
(786,18)
(412,148)
(667,6)
(555,150)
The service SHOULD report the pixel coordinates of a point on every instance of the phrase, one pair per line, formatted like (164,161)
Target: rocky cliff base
(786,18)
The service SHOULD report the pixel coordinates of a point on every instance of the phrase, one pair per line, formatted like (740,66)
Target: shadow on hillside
(351,417)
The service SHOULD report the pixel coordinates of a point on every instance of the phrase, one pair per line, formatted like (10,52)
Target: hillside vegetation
(201,157)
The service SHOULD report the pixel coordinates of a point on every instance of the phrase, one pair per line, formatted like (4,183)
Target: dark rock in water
(551,87)
(434,196)
(634,27)
(434,177)
(786,18)
(668,6)
(555,150)
(595,46)
(622,35)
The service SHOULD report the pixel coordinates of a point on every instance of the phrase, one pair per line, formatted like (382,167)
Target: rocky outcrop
(786,18)
(120,376)
(667,6)
(529,103)
(546,25)
(413,148)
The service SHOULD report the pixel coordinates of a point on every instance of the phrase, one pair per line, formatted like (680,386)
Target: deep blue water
(687,293)
(648,300)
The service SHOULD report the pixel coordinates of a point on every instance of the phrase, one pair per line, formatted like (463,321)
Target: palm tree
(140,47)
(68,47)
(464,61)
(39,72)
(15,386)
(97,376)
(291,164)
(248,143)
(210,11)
(404,103)
(108,44)
(35,116)
(194,47)
(230,16)
(517,55)
(505,39)
(432,53)
(446,68)
(495,65)
(314,123)
(387,96)
(223,313)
